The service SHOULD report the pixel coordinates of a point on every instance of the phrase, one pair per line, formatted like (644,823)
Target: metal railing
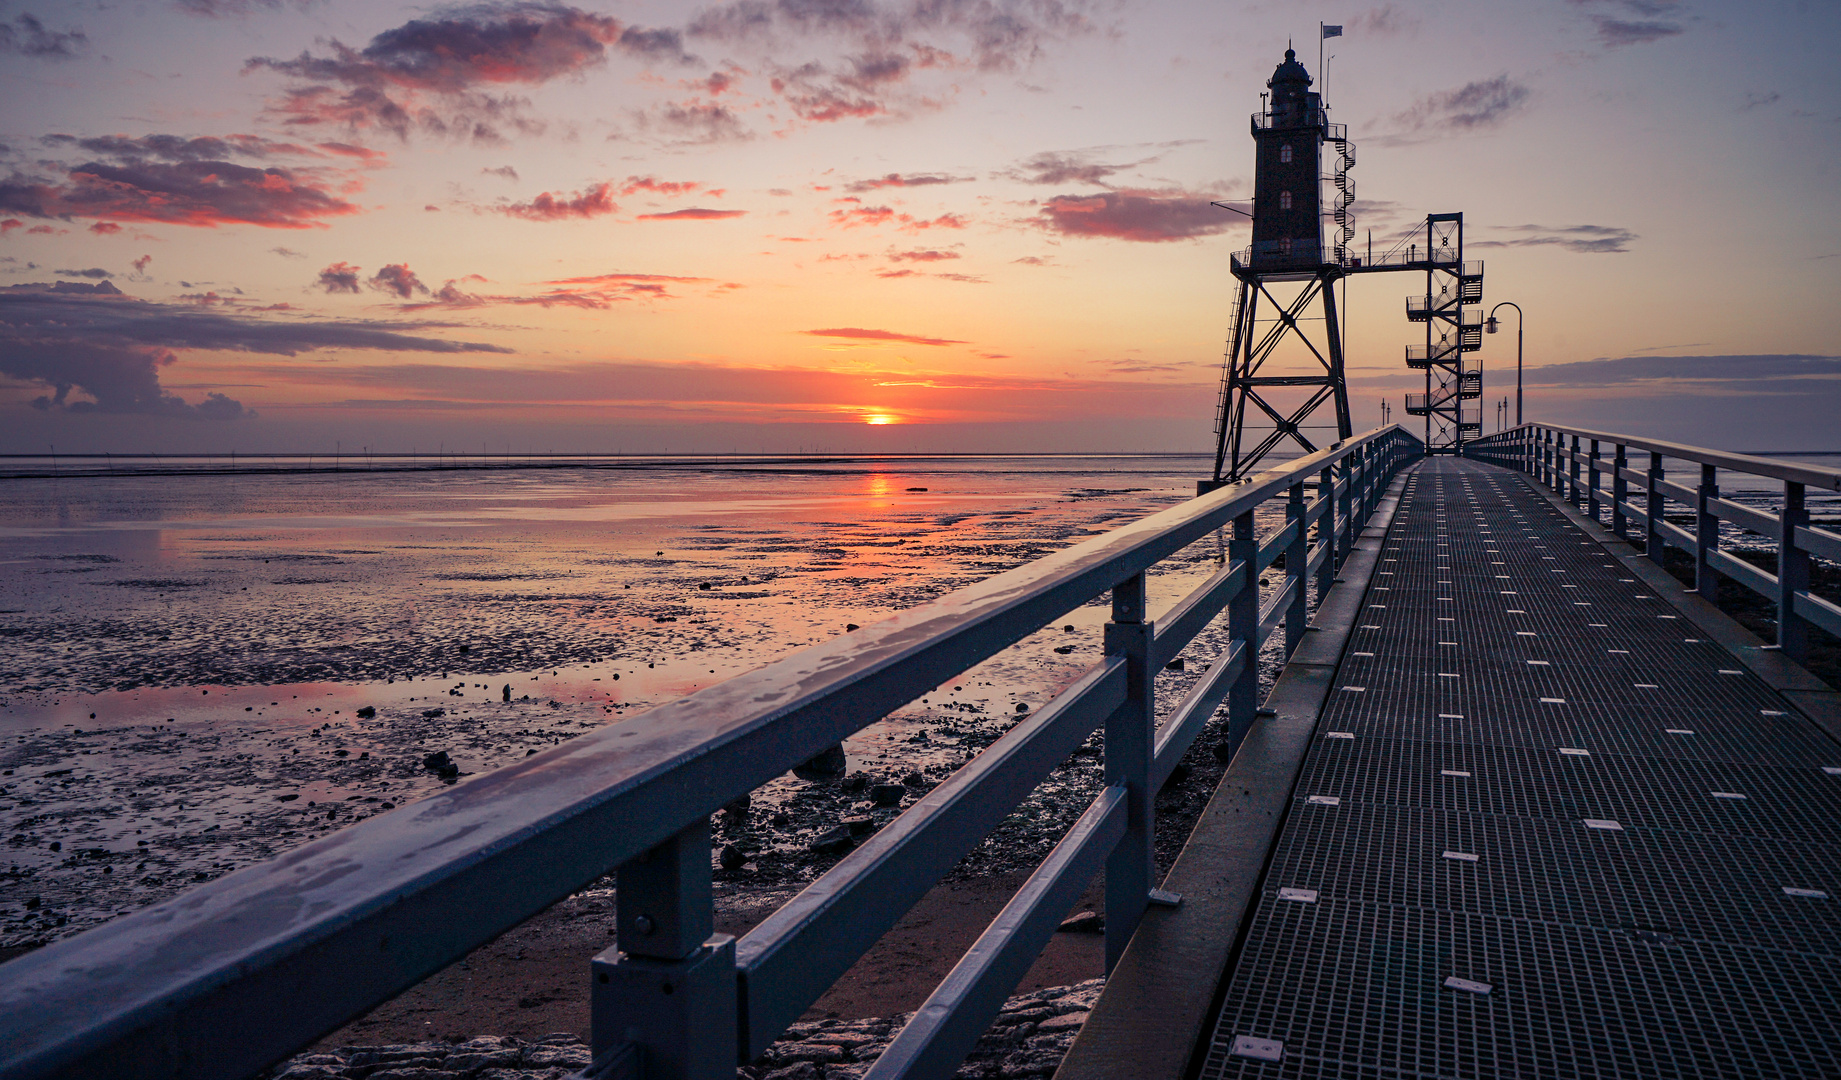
(1556,457)
(234,975)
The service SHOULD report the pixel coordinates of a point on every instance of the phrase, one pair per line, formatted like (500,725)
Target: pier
(1547,823)
(1519,804)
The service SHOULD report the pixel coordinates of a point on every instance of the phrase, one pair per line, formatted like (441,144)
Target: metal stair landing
(1544,830)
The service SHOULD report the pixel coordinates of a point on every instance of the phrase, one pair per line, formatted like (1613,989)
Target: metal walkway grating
(1493,867)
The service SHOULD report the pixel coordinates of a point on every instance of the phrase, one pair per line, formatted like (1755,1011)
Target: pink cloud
(593,202)
(1137,215)
(694,213)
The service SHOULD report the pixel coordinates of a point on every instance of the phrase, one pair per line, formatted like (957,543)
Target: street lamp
(1492,326)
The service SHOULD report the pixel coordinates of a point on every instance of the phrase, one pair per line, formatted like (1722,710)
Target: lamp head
(1490,324)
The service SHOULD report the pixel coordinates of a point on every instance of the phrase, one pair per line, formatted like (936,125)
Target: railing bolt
(644,925)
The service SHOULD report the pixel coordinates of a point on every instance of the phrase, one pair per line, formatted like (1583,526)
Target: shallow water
(185,656)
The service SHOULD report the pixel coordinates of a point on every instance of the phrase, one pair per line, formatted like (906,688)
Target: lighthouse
(1288,169)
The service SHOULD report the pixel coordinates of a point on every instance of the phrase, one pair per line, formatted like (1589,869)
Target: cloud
(1585,239)
(636,184)
(10,224)
(857,334)
(592,202)
(1384,21)
(1755,100)
(696,123)
(922,256)
(26,36)
(339,277)
(398,279)
(140,264)
(1067,167)
(105,228)
(93,339)
(287,253)
(1617,33)
(505,171)
(1475,106)
(897,180)
(93,272)
(223,9)
(1760,374)
(428,74)
(592,293)
(176,181)
(693,213)
(1146,216)
(854,216)
(992,35)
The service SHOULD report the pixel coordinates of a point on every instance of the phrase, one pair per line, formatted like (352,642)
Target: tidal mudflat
(202,671)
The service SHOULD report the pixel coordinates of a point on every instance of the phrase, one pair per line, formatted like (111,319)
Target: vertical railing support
(1326,531)
(1132,866)
(668,986)
(1706,533)
(1572,461)
(1297,555)
(1652,532)
(1792,575)
(1620,491)
(1347,522)
(1243,630)
(1592,469)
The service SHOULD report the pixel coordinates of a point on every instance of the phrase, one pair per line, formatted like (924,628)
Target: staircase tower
(1451,309)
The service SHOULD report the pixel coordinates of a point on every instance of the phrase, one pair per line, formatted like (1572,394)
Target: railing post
(1131,868)
(1347,521)
(1706,534)
(1652,532)
(1591,484)
(1792,575)
(1572,461)
(1296,556)
(1620,491)
(1243,628)
(1326,531)
(668,986)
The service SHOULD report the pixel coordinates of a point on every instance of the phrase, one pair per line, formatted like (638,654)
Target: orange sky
(899,226)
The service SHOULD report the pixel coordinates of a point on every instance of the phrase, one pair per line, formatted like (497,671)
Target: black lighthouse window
(1284,199)
(1284,153)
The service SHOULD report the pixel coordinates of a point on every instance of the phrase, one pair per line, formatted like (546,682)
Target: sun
(879,419)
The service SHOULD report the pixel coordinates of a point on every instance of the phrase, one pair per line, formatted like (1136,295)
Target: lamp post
(1492,326)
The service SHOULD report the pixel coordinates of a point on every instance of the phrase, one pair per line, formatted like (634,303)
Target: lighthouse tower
(1286,279)
(1288,170)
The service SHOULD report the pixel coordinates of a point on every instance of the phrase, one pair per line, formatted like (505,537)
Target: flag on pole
(1331,31)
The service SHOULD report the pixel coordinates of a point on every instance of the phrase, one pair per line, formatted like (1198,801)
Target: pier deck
(1545,827)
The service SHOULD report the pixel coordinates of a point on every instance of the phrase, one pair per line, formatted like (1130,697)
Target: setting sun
(881,418)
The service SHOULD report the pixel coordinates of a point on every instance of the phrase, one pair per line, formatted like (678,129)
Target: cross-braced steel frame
(1252,345)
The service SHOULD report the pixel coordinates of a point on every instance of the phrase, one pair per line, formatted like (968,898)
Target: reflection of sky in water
(238,617)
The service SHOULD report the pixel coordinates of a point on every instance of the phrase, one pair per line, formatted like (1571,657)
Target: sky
(877,225)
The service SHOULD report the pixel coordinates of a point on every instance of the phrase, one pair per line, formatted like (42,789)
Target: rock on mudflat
(1027,1040)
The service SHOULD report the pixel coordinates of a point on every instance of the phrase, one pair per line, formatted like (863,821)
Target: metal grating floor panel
(1620,860)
